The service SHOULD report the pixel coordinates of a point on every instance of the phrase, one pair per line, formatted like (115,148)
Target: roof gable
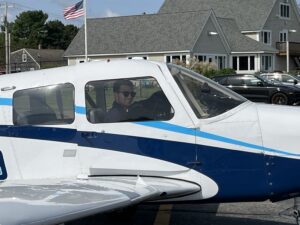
(250,15)
(239,42)
(140,34)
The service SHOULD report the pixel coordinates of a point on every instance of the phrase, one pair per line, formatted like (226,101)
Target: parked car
(257,89)
(284,78)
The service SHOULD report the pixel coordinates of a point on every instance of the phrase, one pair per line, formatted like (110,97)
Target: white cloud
(109,13)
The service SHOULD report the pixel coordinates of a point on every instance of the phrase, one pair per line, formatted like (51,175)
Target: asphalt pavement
(254,213)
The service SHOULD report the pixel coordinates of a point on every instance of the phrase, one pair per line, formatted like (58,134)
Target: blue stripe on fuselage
(80,110)
(202,134)
(6,101)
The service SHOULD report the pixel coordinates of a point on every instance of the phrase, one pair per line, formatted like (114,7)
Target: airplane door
(149,136)
(42,130)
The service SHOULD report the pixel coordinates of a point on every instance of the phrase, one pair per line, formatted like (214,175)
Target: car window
(251,81)
(222,80)
(287,78)
(235,81)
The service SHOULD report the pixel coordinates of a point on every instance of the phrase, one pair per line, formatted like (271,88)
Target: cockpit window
(124,100)
(206,98)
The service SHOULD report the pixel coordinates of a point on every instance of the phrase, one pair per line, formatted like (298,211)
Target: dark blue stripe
(239,175)
(3,172)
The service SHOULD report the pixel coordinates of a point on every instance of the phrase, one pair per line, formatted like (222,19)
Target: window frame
(269,62)
(266,35)
(169,57)
(285,10)
(283,35)
(45,86)
(251,63)
(125,78)
(24,57)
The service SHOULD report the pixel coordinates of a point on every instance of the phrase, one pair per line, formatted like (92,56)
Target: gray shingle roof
(144,33)
(239,42)
(250,15)
(46,54)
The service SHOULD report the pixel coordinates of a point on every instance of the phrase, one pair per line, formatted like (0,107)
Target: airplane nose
(280,128)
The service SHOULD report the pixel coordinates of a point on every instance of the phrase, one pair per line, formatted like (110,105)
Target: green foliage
(29,28)
(205,68)
(69,34)
(59,36)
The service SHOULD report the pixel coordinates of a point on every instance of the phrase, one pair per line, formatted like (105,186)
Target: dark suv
(257,89)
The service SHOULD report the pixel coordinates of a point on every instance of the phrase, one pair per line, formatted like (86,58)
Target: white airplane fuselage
(250,152)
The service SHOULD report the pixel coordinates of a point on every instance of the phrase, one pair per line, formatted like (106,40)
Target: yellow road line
(163,215)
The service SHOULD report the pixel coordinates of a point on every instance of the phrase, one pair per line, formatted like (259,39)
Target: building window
(252,63)
(284,10)
(201,58)
(283,36)
(221,62)
(266,37)
(234,62)
(266,62)
(138,57)
(243,63)
(176,58)
(24,57)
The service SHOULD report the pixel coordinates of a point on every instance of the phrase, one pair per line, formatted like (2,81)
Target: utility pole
(7,39)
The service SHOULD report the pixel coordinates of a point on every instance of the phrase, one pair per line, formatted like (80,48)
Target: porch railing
(294,48)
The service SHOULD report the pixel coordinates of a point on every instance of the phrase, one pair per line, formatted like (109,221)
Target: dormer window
(284,10)
(266,37)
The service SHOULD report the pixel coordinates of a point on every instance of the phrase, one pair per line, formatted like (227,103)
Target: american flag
(74,11)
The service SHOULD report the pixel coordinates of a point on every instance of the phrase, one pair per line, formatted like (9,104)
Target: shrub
(205,68)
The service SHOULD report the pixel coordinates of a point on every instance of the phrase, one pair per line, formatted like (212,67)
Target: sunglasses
(127,93)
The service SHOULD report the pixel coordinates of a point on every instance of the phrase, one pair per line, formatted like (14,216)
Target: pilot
(124,95)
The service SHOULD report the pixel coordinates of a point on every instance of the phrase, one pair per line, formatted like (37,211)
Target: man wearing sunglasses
(124,95)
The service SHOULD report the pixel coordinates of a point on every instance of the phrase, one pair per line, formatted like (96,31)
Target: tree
(29,28)
(59,36)
(55,34)
(69,34)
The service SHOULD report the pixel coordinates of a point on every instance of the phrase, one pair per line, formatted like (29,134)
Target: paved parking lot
(264,213)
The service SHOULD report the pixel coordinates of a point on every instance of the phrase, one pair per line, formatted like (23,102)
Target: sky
(95,8)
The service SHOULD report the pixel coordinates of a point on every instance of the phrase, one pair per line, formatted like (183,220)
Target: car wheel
(279,99)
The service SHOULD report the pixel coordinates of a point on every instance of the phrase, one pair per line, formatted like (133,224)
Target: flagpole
(85,32)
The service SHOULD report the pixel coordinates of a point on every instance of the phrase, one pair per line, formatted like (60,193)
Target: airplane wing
(58,201)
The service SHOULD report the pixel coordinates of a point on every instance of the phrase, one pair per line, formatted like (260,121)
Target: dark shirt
(116,114)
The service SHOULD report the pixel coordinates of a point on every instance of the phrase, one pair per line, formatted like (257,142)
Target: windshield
(207,98)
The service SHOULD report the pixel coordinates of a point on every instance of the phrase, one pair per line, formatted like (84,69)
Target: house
(27,59)
(267,21)
(249,36)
